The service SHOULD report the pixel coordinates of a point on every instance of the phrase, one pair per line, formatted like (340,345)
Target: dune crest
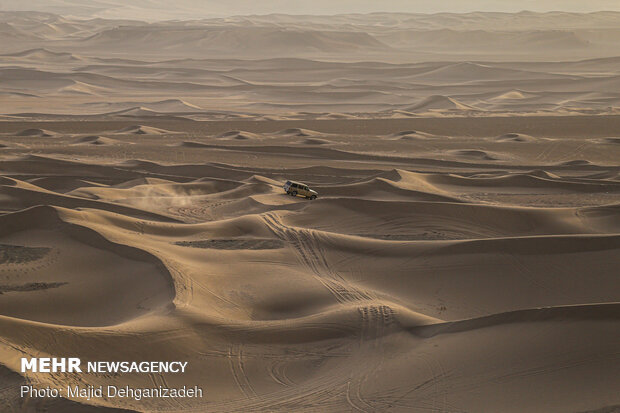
(143,130)
(438,102)
(514,137)
(238,135)
(39,133)
(96,140)
(299,132)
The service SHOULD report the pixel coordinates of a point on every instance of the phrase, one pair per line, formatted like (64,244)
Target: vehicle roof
(297,182)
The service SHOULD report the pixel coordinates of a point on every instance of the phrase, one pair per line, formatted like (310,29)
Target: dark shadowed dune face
(40,133)
(234,244)
(15,254)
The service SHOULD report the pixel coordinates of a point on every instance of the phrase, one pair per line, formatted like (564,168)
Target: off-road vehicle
(297,188)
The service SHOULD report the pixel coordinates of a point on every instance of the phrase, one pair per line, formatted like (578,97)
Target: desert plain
(462,255)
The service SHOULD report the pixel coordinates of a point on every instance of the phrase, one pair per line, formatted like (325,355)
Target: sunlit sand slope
(433,273)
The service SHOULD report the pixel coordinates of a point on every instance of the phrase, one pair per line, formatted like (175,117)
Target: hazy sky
(206,8)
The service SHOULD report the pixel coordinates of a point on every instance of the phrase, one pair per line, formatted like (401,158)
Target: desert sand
(298,67)
(462,256)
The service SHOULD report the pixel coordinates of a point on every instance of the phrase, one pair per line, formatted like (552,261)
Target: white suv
(297,188)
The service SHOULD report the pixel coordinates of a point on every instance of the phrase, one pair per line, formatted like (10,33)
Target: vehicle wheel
(313,197)
(294,193)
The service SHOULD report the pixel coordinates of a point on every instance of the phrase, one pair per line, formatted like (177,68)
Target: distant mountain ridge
(157,10)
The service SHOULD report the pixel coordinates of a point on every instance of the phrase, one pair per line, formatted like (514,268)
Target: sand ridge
(380,65)
(418,257)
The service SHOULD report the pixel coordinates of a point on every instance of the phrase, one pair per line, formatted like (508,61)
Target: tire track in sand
(376,320)
(312,255)
(237,369)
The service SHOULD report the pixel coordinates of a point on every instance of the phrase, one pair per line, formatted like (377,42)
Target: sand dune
(330,67)
(41,303)
(96,140)
(39,133)
(173,106)
(299,132)
(42,56)
(143,130)
(279,42)
(473,154)
(438,103)
(238,135)
(401,264)
(514,137)
(462,253)
(316,141)
(517,40)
